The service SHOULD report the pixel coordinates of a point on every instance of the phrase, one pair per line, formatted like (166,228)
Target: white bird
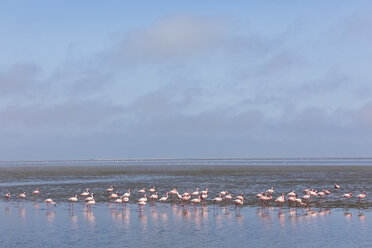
(259,195)
(223,193)
(238,202)
(291,194)
(85,194)
(280,200)
(196,192)
(127,194)
(110,189)
(154,196)
(143,198)
(362,196)
(349,195)
(270,191)
(120,200)
(218,199)
(337,186)
(73,199)
(90,198)
(164,198)
(205,192)
(114,195)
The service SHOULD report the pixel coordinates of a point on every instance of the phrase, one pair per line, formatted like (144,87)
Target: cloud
(20,79)
(174,37)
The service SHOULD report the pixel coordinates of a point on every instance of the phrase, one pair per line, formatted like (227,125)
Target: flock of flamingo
(200,197)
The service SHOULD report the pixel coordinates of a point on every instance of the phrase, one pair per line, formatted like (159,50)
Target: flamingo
(327,192)
(155,196)
(205,192)
(238,202)
(204,197)
(280,200)
(127,194)
(143,198)
(218,199)
(7,196)
(90,198)
(291,199)
(259,195)
(240,197)
(362,196)
(35,192)
(91,202)
(141,203)
(125,199)
(228,197)
(291,194)
(23,195)
(114,195)
(152,190)
(186,193)
(270,191)
(307,190)
(320,194)
(141,191)
(73,199)
(173,191)
(306,197)
(196,192)
(118,201)
(85,194)
(337,186)
(196,200)
(48,201)
(223,193)
(164,198)
(110,189)
(185,198)
(349,195)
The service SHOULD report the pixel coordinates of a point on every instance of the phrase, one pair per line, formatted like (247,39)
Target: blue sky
(124,79)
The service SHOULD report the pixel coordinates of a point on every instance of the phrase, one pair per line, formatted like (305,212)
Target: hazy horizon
(88,79)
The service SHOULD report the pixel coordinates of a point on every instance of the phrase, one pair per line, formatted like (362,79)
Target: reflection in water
(22,212)
(143,220)
(89,216)
(362,217)
(7,209)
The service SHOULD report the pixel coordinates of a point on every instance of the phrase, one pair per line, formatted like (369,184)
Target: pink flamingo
(114,195)
(280,200)
(142,191)
(155,196)
(73,199)
(35,192)
(110,189)
(23,195)
(196,192)
(152,190)
(164,198)
(85,194)
(127,194)
(7,196)
(362,196)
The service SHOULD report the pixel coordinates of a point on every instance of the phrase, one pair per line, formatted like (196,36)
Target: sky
(185,79)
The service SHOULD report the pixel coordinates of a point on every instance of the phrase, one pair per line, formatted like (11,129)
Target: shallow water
(35,225)
(328,223)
